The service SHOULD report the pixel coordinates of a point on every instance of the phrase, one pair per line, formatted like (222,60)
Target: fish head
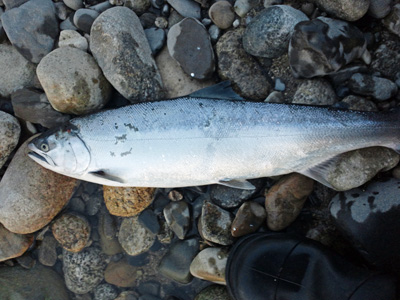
(61,150)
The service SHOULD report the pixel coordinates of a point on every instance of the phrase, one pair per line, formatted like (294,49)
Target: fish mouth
(41,159)
(36,156)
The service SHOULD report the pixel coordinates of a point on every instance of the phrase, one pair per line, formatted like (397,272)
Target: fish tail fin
(394,120)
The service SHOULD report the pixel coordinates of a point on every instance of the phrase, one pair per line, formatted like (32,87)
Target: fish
(218,139)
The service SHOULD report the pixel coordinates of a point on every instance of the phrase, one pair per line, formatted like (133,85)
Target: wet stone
(189,44)
(186,8)
(177,216)
(134,238)
(105,291)
(222,14)
(313,47)
(48,251)
(156,38)
(33,106)
(10,131)
(176,263)
(377,87)
(236,65)
(285,199)
(84,18)
(392,21)
(210,265)
(127,202)
(215,224)
(268,34)
(13,244)
(71,231)
(248,219)
(315,92)
(138,6)
(32,28)
(121,49)
(149,219)
(121,274)
(344,9)
(215,292)
(83,271)
(379,8)
(26,261)
(72,81)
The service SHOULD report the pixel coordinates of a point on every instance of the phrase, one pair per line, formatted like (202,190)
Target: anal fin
(107,176)
(237,184)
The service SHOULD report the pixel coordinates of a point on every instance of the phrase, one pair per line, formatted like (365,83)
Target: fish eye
(44,147)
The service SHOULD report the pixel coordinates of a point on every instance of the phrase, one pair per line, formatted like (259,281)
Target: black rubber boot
(286,267)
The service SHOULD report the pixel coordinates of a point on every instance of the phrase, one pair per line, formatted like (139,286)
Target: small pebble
(149,219)
(377,87)
(344,9)
(178,218)
(186,8)
(161,22)
(48,251)
(275,97)
(74,4)
(121,274)
(242,7)
(138,6)
(156,38)
(248,219)
(61,10)
(105,291)
(84,18)
(279,85)
(214,33)
(72,38)
(315,92)
(209,264)
(222,14)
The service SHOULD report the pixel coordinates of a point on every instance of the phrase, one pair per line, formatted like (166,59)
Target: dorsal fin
(222,90)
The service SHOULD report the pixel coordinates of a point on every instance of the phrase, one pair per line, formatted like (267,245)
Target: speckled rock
(222,14)
(119,45)
(377,87)
(30,195)
(392,21)
(72,38)
(16,72)
(121,274)
(134,238)
(210,265)
(32,28)
(379,8)
(177,216)
(9,135)
(72,81)
(215,292)
(189,44)
(285,199)
(186,8)
(268,34)
(13,244)
(83,271)
(84,18)
(313,48)
(236,65)
(357,167)
(359,103)
(386,57)
(105,291)
(71,231)
(37,283)
(176,82)
(215,224)
(127,201)
(248,219)
(315,92)
(33,106)
(47,255)
(344,9)
(176,263)
(138,6)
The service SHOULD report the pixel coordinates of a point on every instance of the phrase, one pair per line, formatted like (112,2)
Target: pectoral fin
(237,184)
(107,176)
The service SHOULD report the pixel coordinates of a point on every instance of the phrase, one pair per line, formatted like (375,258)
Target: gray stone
(74,4)
(377,87)
(386,58)
(34,107)
(189,44)
(214,33)
(107,230)
(12,244)
(32,28)
(242,7)
(138,6)
(105,291)
(72,38)
(215,224)
(101,7)
(177,216)
(9,135)
(186,8)
(118,43)
(83,271)
(37,283)
(215,292)
(13,3)
(344,9)
(268,34)
(48,251)
(68,24)
(15,71)
(84,18)
(176,263)
(161,22)
(61,10)
(236,65)
(221,13)
(73,82)
(392,21)
(359,103)
(156,38)
(314,47)
(210,265)
(134,238)
(275,97)
(379,8)
(315,92)
(149,219)
(357,167)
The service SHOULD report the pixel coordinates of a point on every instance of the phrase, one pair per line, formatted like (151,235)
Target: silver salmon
(199,141)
